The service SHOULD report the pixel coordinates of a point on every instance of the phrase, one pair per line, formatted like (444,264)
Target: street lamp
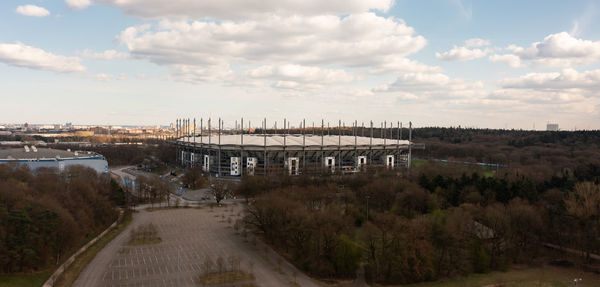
(576,281)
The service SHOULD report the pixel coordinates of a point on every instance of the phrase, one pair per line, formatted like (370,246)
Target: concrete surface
(188,236)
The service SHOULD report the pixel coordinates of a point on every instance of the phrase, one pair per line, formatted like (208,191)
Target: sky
(487,64)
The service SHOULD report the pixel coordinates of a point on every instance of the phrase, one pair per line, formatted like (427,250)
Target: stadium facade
(242,152)
(52,158)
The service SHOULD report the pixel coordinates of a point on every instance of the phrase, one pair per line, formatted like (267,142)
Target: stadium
(52,158)
(244,153)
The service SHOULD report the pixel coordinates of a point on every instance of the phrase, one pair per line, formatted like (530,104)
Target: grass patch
(418,162)
(145,241)
(548,276)
(226,277)
(71,274)
(26,279)
(144,234)
(489,173)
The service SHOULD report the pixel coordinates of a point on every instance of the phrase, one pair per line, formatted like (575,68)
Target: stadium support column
(340,145)
(183,142)
(176,143)
(201,142)
(384,131)
(194,145)
(219,164)
(265,160)
(354,131)
(241,162)
(371,146)
(284,141)
(398,145)
(322,152)
(409,143)
(303,145)
(209,145)
(180,157)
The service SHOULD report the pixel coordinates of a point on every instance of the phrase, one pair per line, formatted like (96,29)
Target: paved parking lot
(188,235)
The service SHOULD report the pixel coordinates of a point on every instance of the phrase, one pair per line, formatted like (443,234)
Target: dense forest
(537,154)
(45,215)
(441,219)
(154,155)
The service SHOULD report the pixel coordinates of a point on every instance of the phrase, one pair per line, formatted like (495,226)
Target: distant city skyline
(487,64)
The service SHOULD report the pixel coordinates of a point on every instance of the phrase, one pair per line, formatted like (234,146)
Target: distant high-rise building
(552,127)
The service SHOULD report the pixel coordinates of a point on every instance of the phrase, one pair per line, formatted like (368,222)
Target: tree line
(537,154)
(45,215)
(437,222)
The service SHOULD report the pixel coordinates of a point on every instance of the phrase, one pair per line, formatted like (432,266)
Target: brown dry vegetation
(441,220)
(45,216)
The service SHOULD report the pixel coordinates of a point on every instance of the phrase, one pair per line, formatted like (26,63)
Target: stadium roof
(41,153)
(311,141)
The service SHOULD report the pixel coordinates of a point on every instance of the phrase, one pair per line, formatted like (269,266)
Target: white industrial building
(52,158)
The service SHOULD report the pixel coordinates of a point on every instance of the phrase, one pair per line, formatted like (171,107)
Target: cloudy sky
(496,64)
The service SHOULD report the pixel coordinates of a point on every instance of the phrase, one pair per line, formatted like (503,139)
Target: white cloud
(236,9)
(563,80)
(567,92)
(297,76)
(461,54)
(200,73)
(558,50)
(476,42)
(464,53)
(537,97)
(581,23)
(356,41)
(465,11)
(509,59)
(106,55)
(436,85)
(78,4)
(103,77)
(403,65)
(32,10)
(21,55)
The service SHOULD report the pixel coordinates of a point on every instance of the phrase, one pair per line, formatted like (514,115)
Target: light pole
(576,281)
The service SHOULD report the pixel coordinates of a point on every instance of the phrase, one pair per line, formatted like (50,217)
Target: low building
(52,158)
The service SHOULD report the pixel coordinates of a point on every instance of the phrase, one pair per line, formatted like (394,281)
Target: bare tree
(219,190)
(584,205)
